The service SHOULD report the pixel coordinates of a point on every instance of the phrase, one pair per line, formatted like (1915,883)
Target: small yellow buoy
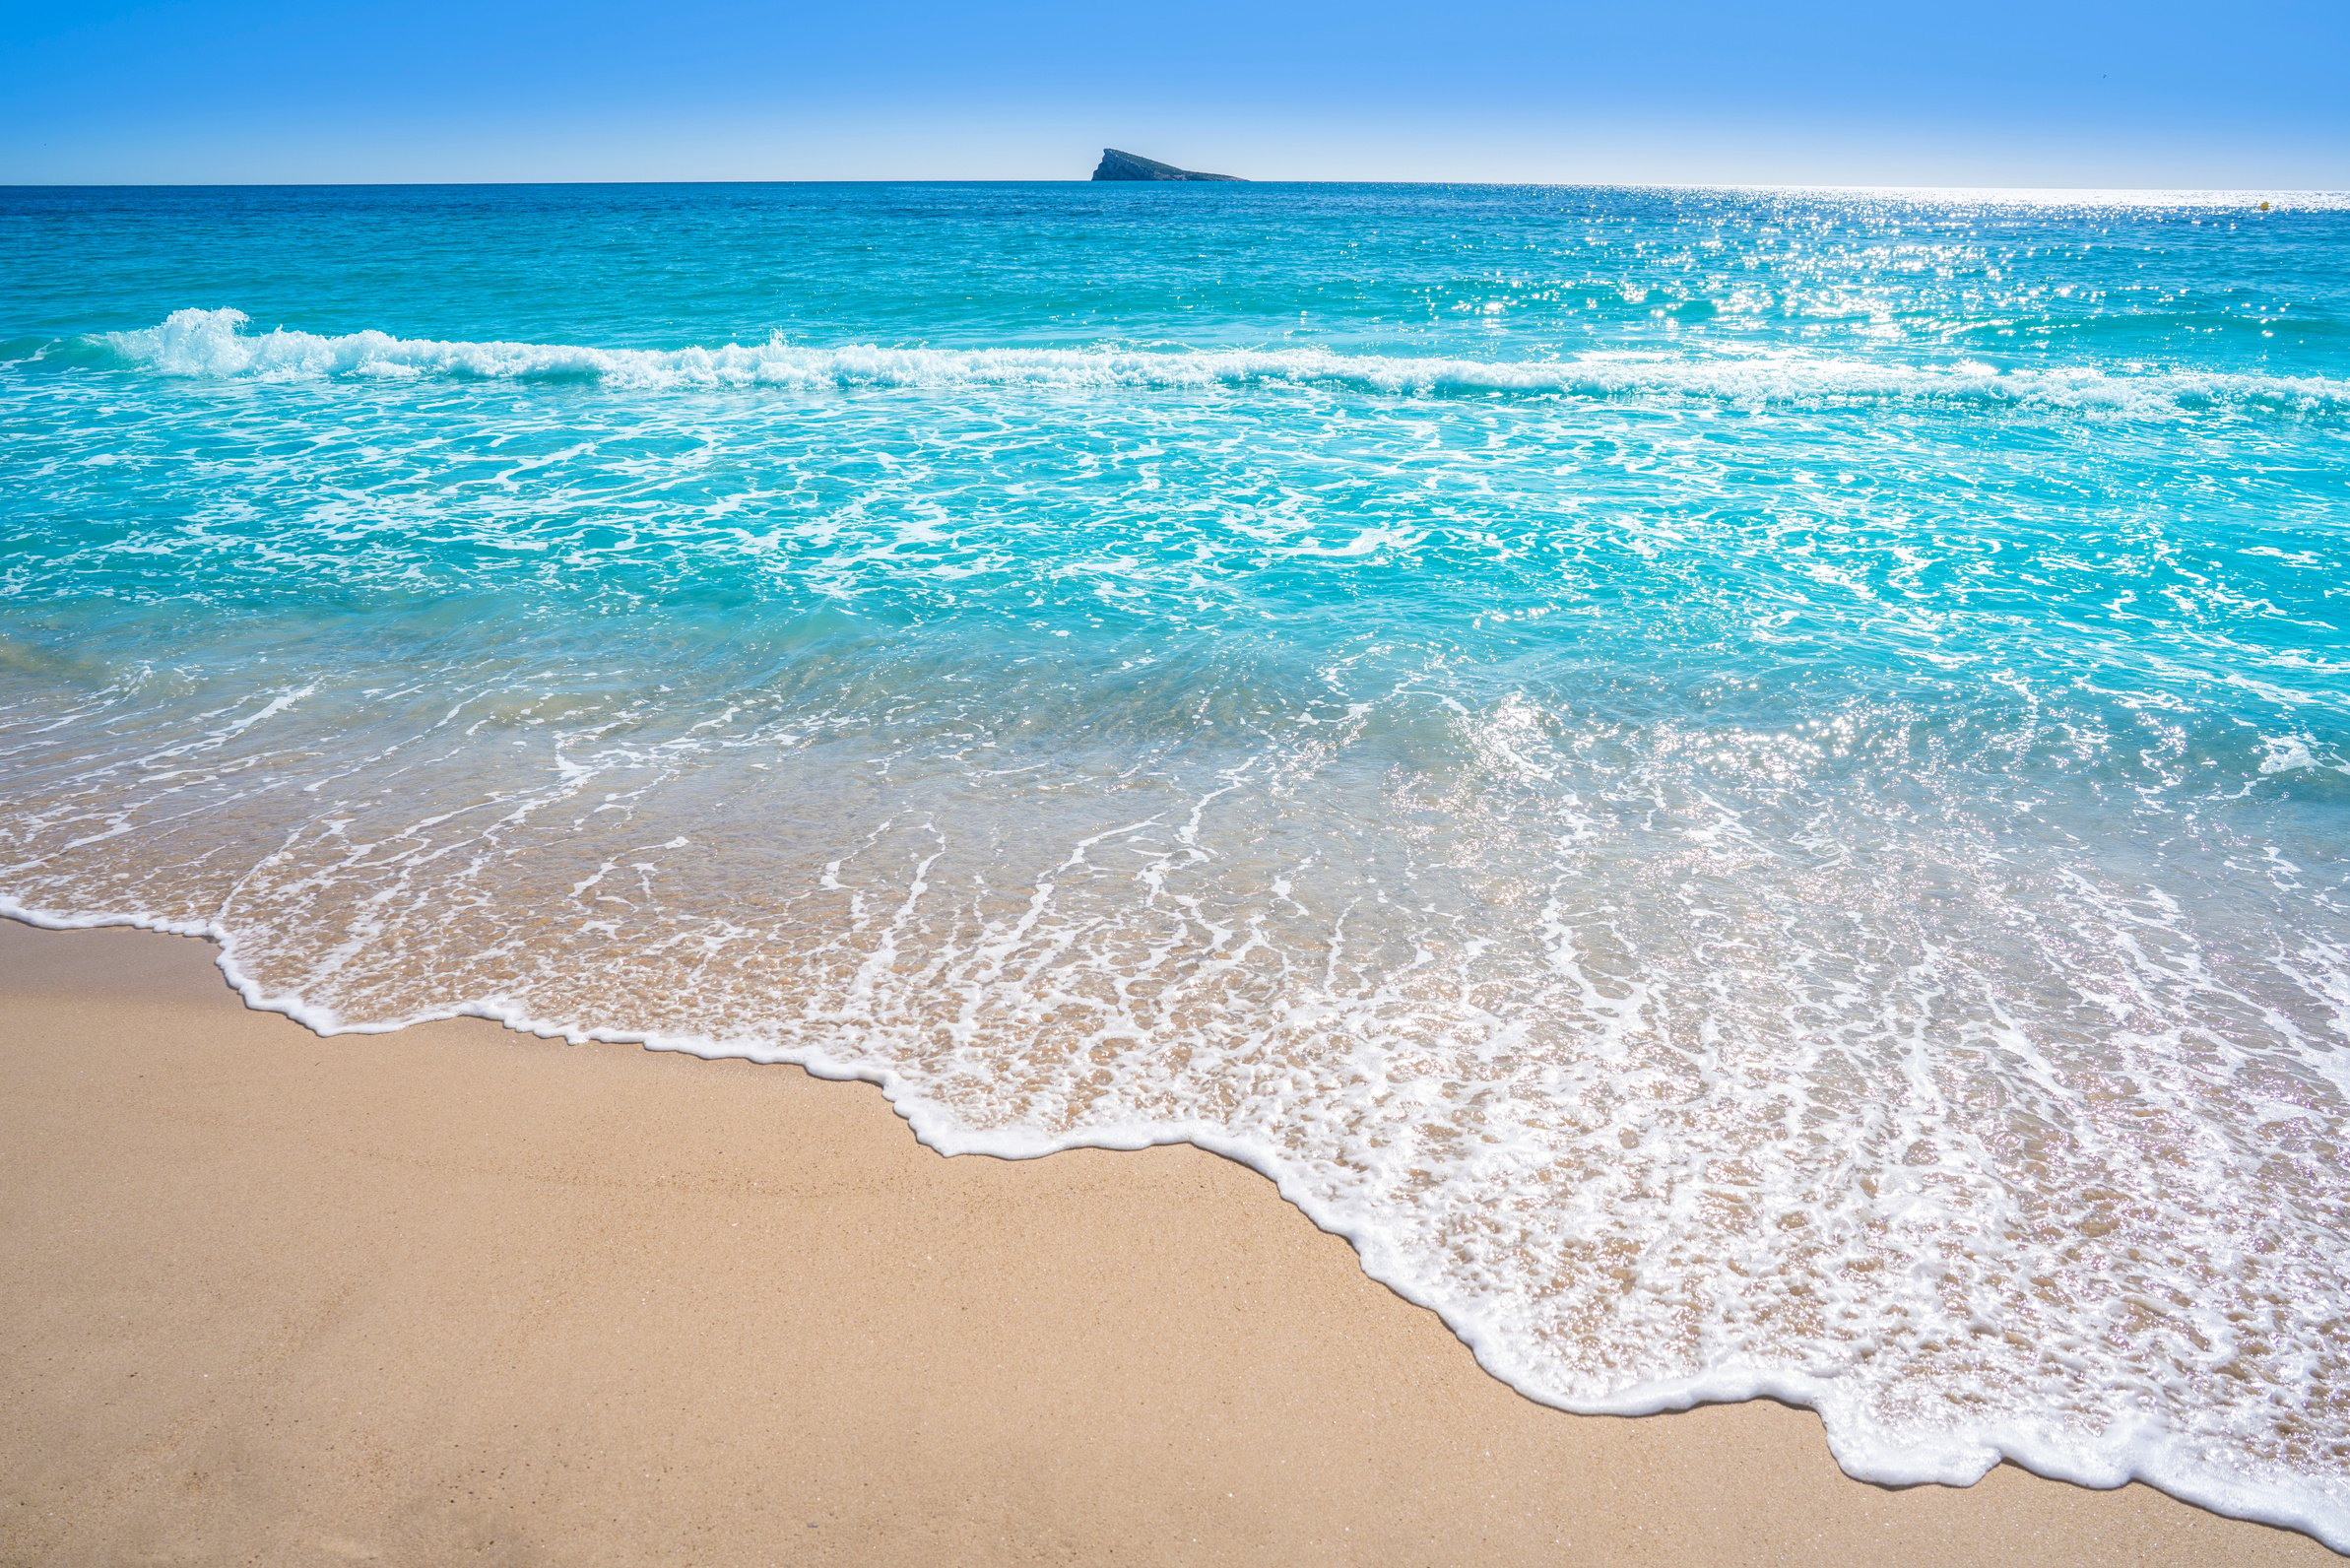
(2263,206)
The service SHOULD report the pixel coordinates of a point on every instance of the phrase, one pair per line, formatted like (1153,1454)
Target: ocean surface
(1749,790)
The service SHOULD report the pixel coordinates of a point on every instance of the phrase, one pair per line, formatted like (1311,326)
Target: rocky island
(1114,164)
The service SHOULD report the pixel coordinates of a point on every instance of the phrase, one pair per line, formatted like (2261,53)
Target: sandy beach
(459,1295)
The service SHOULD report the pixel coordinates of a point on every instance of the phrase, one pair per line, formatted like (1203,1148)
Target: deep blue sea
(1750,791)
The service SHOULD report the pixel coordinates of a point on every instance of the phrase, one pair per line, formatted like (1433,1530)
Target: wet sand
(457,1296)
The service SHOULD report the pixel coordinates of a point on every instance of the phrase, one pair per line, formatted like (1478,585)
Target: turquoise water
(1748,791)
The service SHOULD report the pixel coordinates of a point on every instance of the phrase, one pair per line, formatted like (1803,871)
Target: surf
(215,344)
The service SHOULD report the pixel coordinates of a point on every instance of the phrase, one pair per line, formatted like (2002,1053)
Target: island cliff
(1114,164)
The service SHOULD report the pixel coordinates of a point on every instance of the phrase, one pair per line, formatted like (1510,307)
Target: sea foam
(214,343)
(1846,901)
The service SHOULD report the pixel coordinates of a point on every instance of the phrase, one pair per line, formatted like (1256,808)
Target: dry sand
(457,1296)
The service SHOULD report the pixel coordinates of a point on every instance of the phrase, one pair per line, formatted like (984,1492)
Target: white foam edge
(200,342)
(2146,1452)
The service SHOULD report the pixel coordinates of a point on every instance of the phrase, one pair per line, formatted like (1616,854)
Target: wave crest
(215,344)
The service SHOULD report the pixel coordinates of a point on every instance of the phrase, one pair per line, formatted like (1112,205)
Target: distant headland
(1114,164)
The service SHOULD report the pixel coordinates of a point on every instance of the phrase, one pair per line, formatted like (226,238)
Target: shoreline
(267,1296)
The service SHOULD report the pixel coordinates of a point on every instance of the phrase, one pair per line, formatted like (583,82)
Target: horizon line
(1224,185)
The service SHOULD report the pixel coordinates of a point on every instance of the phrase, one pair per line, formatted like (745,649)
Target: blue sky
(1999,93)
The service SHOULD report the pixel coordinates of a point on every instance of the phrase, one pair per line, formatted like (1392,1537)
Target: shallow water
(1749,790)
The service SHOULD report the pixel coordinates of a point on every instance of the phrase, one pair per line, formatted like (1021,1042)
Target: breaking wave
(216,343)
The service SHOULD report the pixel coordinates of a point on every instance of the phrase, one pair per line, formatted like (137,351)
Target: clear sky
(2251,93)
